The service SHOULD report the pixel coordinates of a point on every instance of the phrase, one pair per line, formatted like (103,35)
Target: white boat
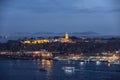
(82,63)
(98,62)
(69,69)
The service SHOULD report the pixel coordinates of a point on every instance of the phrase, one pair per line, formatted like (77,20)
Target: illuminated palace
(36,41)
(66,39)
(39,41)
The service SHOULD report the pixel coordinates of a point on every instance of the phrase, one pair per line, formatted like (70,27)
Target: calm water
(29,70)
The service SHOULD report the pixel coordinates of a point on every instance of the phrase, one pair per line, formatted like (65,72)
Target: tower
(66,36)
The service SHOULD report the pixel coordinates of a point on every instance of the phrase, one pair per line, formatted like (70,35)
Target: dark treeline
(112,44)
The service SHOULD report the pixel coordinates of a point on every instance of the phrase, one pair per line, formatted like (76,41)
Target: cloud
(63,6)
(60,15)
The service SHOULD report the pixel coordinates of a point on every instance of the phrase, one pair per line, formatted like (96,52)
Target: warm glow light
(114,57)
(36,41)
(108,64)
(66,36)
(27,42)
(36,52)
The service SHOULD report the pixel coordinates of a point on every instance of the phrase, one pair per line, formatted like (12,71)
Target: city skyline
(60,16)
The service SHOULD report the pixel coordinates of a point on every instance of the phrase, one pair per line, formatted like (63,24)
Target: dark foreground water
(30,70)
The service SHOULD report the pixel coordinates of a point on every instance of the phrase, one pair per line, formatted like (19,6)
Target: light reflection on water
(108,64)
(29,70)
(47,64)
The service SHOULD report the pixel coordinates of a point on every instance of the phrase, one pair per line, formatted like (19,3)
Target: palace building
(66,39)
(36,41)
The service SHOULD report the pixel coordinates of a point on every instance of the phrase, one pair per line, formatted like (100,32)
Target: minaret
(66,36)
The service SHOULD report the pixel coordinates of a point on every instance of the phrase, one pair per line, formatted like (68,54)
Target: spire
(66,36)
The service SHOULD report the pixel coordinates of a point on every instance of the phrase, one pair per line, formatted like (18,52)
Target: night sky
(101,16)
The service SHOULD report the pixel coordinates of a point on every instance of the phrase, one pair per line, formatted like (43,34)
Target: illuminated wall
(36,41)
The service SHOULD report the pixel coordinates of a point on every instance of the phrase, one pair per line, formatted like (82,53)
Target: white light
(81,63)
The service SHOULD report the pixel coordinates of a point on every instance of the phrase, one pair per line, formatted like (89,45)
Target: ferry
(98,62)
(69,69)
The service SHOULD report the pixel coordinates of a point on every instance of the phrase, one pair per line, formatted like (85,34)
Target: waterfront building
(42,54)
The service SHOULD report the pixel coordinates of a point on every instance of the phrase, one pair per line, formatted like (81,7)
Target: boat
(69,69)
(82,63)
(98,62)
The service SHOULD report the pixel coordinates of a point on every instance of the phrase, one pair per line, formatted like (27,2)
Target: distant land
(51,34)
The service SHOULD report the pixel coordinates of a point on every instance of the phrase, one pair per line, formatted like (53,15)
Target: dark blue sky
(102,16)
